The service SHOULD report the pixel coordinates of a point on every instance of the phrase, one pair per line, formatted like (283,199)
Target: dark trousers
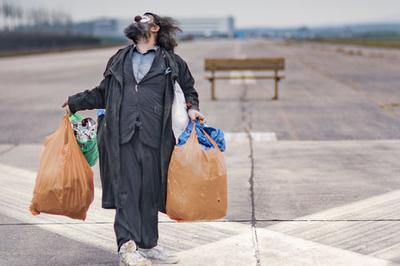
(137,218)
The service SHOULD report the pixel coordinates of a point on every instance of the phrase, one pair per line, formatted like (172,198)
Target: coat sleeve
(186,81)
(93,98)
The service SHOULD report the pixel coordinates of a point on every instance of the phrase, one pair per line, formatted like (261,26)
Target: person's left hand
(194,114)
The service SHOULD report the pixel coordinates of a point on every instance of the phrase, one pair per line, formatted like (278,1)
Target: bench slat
(244,64)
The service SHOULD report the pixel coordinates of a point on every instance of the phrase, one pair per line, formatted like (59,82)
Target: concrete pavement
(330,236)
(314,183)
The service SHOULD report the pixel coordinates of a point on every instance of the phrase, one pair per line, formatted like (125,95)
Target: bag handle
(205,133)
(66,131)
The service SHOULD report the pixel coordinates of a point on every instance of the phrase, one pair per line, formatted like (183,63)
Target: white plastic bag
(180,117)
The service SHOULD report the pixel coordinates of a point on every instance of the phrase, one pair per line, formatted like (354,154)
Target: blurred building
(191,27)
(208,27)
(102,27)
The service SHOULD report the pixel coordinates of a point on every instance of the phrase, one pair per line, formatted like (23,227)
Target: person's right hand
(66,106)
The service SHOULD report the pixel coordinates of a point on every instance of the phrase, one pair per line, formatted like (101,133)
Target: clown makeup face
(140,28)
(143,19)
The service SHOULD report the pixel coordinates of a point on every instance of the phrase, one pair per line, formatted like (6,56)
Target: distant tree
(13,16)
(18,15)
(7,11)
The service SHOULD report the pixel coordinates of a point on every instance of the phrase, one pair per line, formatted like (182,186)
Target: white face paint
(139,28)
(142,19)
(145,19)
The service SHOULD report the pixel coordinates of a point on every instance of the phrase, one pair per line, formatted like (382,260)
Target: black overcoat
(108,95)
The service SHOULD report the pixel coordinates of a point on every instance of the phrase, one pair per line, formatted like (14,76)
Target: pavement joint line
(244,119)
(360,205)
(329,220)
(230,136)
(8,149)
(228,221)
(253,215)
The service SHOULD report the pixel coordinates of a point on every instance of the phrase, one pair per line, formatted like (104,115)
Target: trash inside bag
(179,112)
(197,181)
(215,133)
(64,182)
(85,133)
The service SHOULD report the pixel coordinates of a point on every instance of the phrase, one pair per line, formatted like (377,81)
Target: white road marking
(279,243)
(367,226)
(275,249)
(16,188)
(256,136)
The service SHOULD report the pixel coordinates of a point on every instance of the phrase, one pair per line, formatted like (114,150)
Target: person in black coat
(137,94)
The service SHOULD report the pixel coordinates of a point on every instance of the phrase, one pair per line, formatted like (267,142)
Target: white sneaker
(130,256)
(158,255)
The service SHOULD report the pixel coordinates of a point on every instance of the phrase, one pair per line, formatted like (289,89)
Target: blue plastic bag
(101,112)
(215,133)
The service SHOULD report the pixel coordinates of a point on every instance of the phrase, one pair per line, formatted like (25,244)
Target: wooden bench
(247,64)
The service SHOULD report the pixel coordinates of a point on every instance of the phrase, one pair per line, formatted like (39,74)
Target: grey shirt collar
(154,48)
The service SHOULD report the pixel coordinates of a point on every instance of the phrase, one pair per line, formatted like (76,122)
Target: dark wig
(166,36)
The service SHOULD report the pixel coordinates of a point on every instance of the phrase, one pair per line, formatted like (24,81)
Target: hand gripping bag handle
(205,133)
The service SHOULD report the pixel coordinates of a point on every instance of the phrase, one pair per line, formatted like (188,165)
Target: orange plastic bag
(197,182)
(64,182)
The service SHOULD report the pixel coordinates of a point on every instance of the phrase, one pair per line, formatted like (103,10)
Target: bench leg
(213,90)
(276,90)
(212,80)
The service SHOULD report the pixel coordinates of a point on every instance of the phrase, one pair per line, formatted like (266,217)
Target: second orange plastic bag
(197,182)
(64,182)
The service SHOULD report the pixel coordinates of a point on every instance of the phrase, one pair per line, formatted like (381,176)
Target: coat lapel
(116,67)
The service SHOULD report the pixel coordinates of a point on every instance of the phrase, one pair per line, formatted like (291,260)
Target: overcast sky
(246,13)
